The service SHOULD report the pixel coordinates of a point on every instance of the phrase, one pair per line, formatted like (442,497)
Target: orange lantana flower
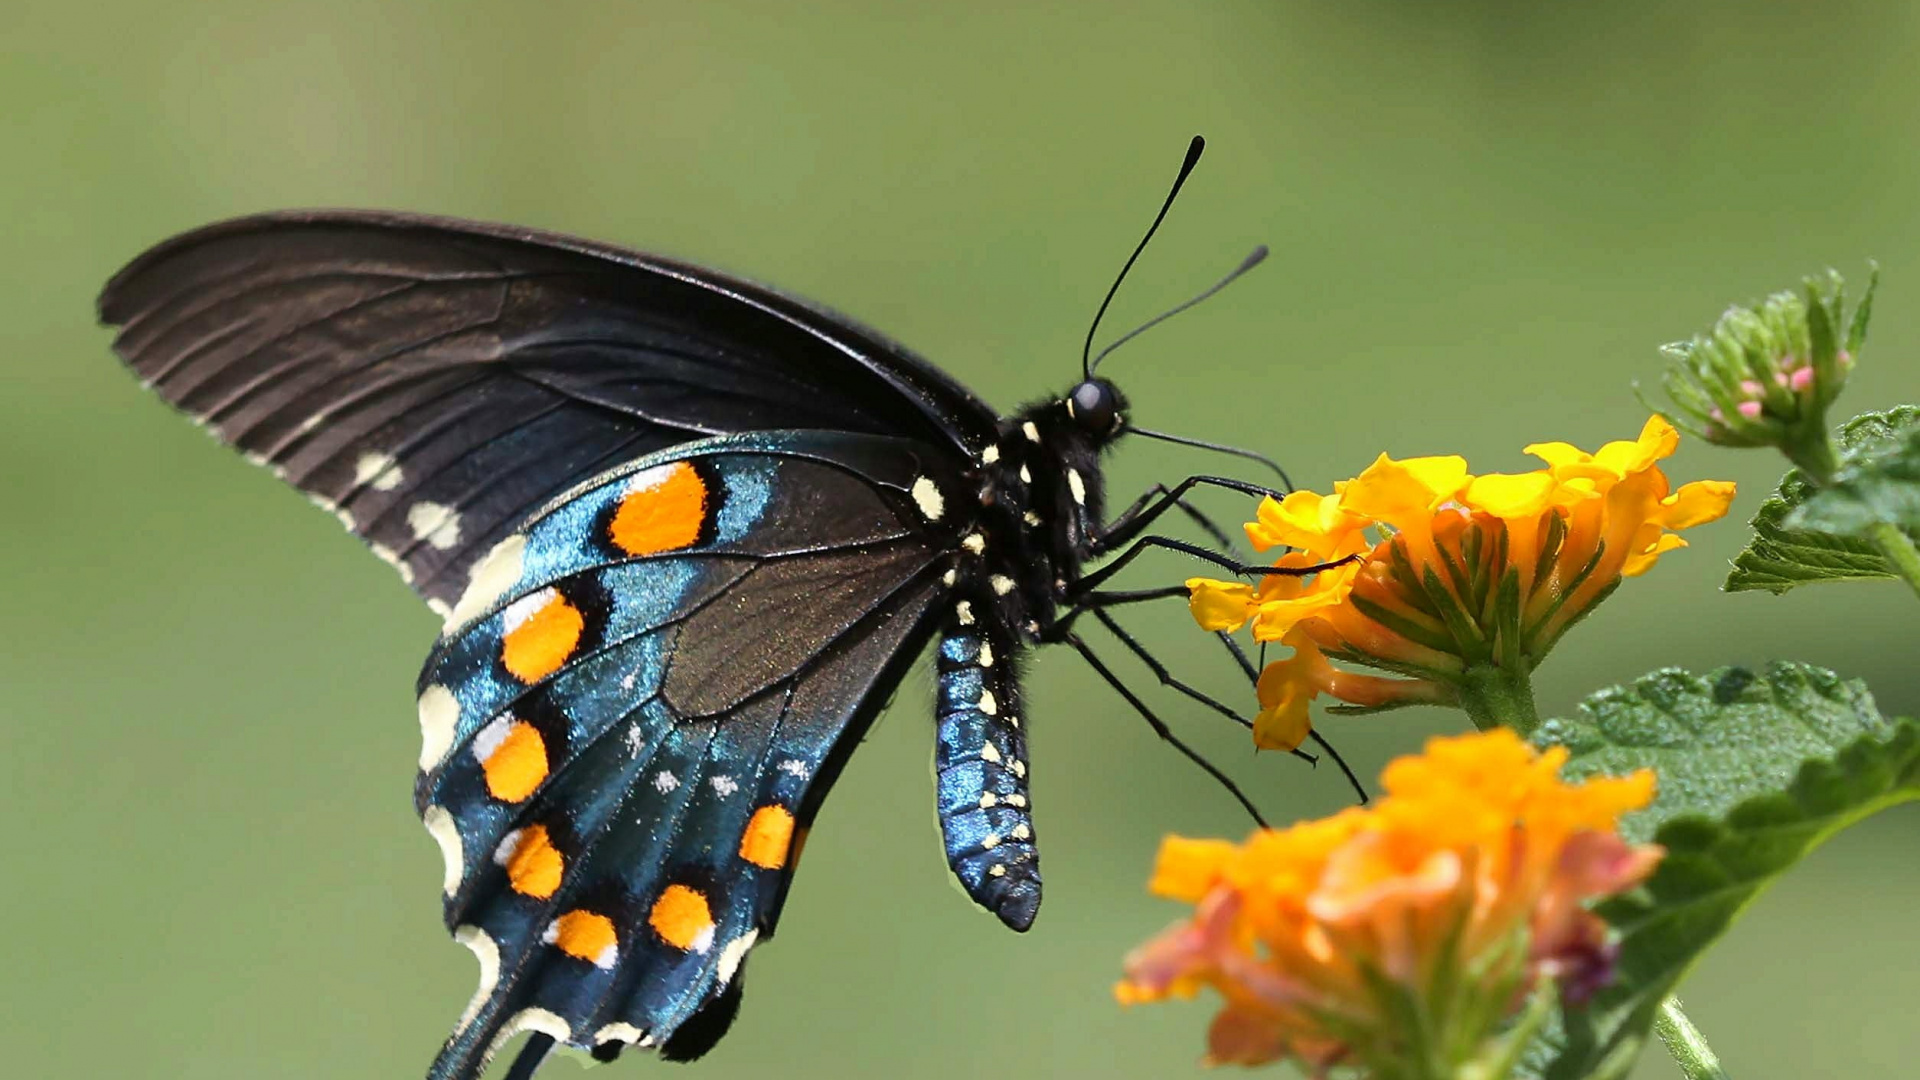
(1448,899)
(1453,571)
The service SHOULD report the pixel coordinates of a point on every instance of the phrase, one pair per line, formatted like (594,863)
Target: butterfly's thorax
(1040,505)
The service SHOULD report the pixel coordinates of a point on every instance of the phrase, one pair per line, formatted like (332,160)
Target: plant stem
(1499,697)
(1899,550)
(1684,1041)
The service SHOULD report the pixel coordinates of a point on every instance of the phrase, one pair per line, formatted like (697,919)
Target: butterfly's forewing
(643,699)
(433,381)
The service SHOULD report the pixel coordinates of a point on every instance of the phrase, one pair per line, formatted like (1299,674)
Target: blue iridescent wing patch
(635,712)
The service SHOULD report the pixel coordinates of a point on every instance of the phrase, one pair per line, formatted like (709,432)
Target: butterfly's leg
(1159,726)
(1195,514)
(1147,508)
(530,1057)
(1093,581)
(1097,603)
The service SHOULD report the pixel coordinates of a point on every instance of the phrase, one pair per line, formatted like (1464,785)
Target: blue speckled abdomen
(980,777)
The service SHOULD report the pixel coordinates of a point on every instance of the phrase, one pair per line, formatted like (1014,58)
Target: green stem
(1899,550)
(1684,1041)
(1499,697)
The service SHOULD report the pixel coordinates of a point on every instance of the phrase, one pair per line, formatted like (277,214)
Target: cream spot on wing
(987,704)
(963,612)
(1002,584)
(732,953)
(928,497)
(378,471)
(990,752)
(950,577)
(1032,433)
(310,423)
(488,953)
(491,578)
(1020,769)
(974,542)
(344,517)
(1021,832)
(998,870)
(435,523)
(1076,486)
(986,654)
(990,455)
(988,800)
(1015,800)
(541,1020)
(990,841)
(625,1033)
(440,826)
(439,714)
(1025,476)
(1031,518)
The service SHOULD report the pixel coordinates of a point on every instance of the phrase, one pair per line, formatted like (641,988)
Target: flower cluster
(1447,573)
(1446,901)
(1764,375)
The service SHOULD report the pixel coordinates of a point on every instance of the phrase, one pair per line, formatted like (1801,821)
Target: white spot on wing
(794,767)
(635,740)
(1032,433)
(664,781)
(488,953)
(648,479)
(540,1020)
(928,497)
(490,737)
(1076,486)
(724,785)
(492,576)
(625,1033)
(525,608)
(503,851)
(379,471)
(440,826)
(731,955)
(439,713)
(435,523)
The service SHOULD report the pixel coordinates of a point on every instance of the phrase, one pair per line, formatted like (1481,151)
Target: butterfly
(687,534)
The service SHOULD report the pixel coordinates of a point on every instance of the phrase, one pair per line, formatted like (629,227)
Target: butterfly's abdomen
(980,772)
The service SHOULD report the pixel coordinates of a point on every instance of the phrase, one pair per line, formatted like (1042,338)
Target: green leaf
(1803,535)
(1755,772)
(1878,480)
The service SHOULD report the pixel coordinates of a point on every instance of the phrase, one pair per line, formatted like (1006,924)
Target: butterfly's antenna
(531,1055)
(1255,259)
(1286,482)
(1186,168)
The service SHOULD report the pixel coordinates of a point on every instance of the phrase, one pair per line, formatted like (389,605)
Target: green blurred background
(1484,218)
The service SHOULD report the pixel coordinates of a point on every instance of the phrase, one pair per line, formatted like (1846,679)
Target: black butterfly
(687,534)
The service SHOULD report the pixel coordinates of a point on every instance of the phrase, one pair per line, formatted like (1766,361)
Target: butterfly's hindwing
(433,382)
(634,717)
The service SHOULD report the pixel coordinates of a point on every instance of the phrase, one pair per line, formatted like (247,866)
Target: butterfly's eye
(1095,406)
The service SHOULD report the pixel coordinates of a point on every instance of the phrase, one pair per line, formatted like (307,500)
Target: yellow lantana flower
(1456,575)
(1447,899)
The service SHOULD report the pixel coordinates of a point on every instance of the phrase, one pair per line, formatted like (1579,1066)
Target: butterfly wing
(433,381)
(645,694)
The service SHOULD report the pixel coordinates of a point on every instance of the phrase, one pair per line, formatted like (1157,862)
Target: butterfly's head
(1097,408)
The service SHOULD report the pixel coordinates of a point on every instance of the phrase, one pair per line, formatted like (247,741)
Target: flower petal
(1219,605)
(1511,496)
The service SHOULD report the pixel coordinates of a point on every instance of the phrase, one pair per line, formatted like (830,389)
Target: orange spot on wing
(769,835)
(540,642)
(533,869)
(682,918)
(586,935)
(516,764)
(663,509)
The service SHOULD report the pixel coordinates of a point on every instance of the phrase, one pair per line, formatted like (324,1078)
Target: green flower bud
(1764,375)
